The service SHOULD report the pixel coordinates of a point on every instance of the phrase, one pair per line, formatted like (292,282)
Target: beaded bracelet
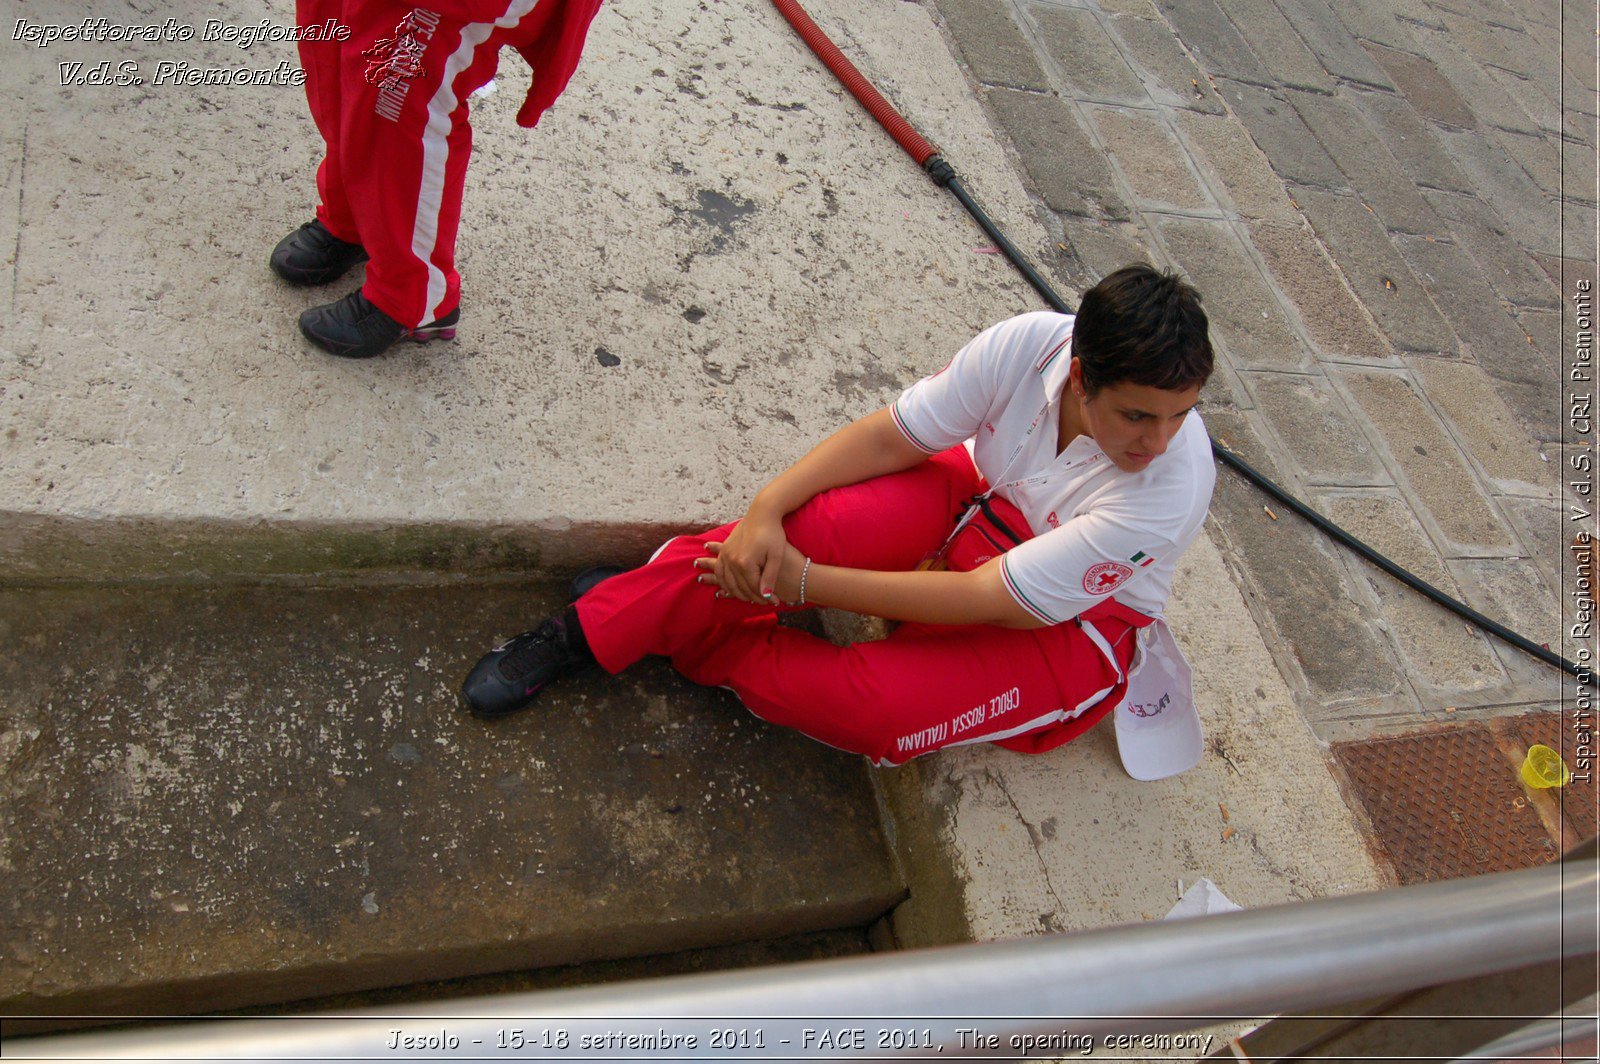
(803,573)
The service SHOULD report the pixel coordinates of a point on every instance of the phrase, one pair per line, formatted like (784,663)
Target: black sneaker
(513,673)
(354,328)
(311,255)
(590,579)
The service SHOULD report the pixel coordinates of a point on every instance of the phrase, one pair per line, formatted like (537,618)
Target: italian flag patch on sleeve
(1141,559)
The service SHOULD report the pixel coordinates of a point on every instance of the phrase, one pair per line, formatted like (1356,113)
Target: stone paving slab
(1466,301)
(1316,429)
(1274,41)
(1151,160)
(1580,173)
(1488,44)
(1372,172)
(1334,46)
(993,46)
(1376,272)
(1212,38)
(1578,237)
(1438,649)
(1492,435)
(1544,111)
(1413,143)
(1340,328)
(221,798)
(1544,527)
(1096,247)
(1566,272)
(1248,320)
(1424,87)
(1524,388)
(1085,55)
(1281,560)
(1500,180)
(1541,160)
(1580,127)
(1151,43)
(1512,272)
(1377,21)
(1490,104)
(1424,456)
(1232,161)
(1517,597)
(1275,127)
(1068,170)
(1576,24)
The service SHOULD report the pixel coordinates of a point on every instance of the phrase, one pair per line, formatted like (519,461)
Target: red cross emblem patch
(1105,577)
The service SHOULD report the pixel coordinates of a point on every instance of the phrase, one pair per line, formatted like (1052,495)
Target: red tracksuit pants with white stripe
(923,688)
(397,149)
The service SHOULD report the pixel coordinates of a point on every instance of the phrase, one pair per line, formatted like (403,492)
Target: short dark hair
(1144,326)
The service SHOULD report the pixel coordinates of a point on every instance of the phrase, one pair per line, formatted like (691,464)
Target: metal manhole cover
(1445,804)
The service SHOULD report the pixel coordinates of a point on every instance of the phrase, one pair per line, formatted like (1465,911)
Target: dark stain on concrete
(719,211)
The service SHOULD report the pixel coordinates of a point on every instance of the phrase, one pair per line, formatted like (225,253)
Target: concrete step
(791,949)
(217,798)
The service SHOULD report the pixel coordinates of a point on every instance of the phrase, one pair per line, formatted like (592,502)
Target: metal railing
(1029,997)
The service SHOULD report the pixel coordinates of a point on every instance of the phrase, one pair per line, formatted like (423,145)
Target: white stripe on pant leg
(663,547)
(436,149)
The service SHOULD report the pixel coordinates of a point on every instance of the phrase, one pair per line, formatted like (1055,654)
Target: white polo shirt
(1098,530)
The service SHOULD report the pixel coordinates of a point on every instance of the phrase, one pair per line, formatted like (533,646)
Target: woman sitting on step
(1023,568)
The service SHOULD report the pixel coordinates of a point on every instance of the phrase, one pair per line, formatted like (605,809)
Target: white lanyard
(1001,482)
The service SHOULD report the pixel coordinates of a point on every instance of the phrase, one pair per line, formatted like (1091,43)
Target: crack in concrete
(22,185)
(1046,919)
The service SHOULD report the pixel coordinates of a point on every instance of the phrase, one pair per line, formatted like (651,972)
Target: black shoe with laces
(590,579)
(354,328)
(311,255)
(509,677)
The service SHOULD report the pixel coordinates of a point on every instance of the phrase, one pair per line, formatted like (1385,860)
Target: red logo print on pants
(1105,577)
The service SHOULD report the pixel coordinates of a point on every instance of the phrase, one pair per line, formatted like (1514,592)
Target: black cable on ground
(1411,580)
(944,174)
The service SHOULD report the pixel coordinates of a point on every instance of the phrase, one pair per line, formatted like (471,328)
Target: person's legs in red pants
(889,523)
(397,162)
(924,688)
(404,145)
(320,59)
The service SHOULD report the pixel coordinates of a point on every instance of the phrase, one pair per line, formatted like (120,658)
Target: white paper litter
(1202,899)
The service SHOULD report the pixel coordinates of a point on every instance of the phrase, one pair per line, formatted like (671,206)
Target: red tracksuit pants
(396,161)
(923,688)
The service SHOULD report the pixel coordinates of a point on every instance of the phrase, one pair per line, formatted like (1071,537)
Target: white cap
(1158,727)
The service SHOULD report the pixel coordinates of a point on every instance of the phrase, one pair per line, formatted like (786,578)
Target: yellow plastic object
(1543,768)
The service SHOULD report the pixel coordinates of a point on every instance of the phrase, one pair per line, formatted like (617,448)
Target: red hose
(913,142)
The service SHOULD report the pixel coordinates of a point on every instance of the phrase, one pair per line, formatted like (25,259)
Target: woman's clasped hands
(755,564)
